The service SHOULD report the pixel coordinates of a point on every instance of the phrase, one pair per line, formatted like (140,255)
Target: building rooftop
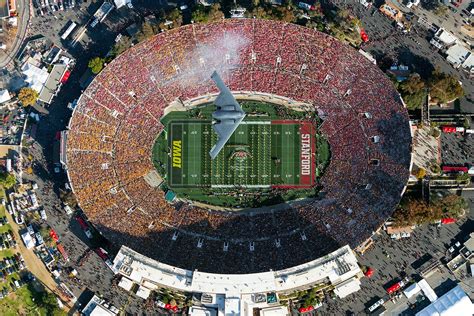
(454,302)
(96,307)
(457,54)
(52,83)
(336,267)
(202,311)
(470,243)
(445,37)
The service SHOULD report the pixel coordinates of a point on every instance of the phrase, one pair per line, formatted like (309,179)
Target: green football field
(259,154)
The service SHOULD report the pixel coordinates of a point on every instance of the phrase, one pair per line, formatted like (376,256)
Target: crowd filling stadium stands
(115,123)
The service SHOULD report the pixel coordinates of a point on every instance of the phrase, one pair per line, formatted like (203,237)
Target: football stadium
(138,132)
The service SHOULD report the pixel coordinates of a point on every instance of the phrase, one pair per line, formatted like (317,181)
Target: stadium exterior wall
(335,268)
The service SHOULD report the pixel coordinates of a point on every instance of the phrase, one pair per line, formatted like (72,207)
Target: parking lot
(393,259)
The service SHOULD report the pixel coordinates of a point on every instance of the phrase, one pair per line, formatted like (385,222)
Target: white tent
(427,290)
(412,290)
(120,3)
(4,96)
(454,302)
(348,287)
(35,77)
(29,243)
(126,284)
(143,292)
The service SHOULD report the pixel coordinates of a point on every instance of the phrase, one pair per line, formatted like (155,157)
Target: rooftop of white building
(336,267)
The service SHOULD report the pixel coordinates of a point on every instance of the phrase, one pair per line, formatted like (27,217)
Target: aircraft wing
(225,98)
(224,130)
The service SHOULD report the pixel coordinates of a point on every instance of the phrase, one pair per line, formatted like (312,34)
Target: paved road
(23,7)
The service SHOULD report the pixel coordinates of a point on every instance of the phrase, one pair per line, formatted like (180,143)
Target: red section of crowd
(117,119)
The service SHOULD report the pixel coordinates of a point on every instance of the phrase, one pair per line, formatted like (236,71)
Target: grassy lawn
(6,227)
(24,301)
(2,192)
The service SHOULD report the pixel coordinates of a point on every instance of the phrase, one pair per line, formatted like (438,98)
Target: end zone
(307,155)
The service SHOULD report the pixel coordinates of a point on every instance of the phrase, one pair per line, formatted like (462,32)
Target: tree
(285,14)
(440,10)
(421,173)
(435,168)
(7,180)
(68,198)
(413,84)
(28,96)
(412,91)
(44,232)
(463,177)
(344,27)
(175,16)
(199,15)
(208,14)
(316,23)
(452,205)
(146,31)
(466,123)
(259,13)
(122,45)
(444,88)
(414,211)
(216,14)
(96,64)
(435,132)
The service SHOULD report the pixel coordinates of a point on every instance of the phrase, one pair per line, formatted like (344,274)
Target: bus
(68,31)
